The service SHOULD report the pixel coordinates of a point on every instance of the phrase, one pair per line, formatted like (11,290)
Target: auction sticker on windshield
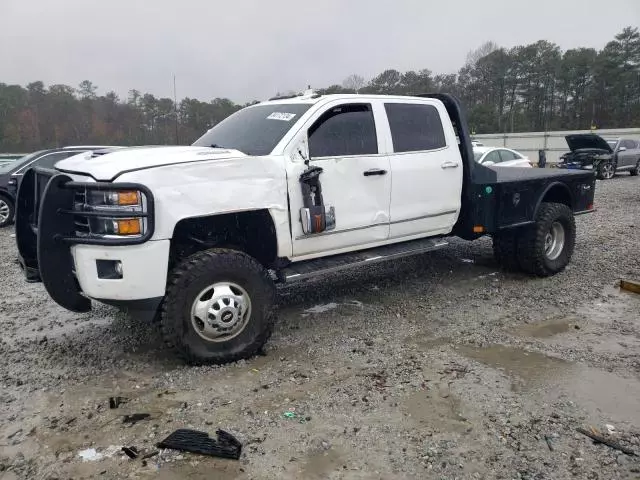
(285,117)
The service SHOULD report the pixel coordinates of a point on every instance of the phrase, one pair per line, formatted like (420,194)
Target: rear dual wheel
(544,248)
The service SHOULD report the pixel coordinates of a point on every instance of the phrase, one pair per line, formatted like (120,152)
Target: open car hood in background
(587,141)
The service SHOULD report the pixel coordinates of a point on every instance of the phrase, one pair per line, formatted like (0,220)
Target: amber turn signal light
(128,198)
(129,226)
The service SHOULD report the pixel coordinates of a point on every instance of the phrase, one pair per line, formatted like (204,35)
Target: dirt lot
(434,367)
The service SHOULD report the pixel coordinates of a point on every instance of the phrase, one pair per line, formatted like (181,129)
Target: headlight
(106,212)
(104,198)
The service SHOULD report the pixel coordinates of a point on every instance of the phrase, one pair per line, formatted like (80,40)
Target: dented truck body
(278,191)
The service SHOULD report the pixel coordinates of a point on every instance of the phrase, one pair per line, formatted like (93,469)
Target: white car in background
(500,157)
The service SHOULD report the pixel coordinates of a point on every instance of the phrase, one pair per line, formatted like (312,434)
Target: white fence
(553,143)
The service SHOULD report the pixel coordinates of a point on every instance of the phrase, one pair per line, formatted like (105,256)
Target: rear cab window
(415,127)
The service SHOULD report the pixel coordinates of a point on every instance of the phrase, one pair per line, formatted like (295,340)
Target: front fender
(216,188)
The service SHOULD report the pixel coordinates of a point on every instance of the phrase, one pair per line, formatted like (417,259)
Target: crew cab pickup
(277,192)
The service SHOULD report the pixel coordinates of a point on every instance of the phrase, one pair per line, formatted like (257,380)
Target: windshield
(477,155)
(612,143)
(14,165)
(254,130)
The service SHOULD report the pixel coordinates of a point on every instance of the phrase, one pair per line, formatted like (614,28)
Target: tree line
(525,88)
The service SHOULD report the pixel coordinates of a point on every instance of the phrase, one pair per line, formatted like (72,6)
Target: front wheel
(635,171)
(218,307)
(7,211)
(546,247)
(606,171)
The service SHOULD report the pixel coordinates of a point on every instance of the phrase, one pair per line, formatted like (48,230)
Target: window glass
(506,155)
(344,130)
(254,130)
(48,161)
(492,156)
(629,144)
(415,127)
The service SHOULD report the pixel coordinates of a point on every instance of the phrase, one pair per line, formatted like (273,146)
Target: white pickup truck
(279,191)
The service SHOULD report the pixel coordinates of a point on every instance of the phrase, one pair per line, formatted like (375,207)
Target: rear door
(345,140)
(426,168)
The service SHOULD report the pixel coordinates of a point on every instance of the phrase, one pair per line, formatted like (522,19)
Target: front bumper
(51,250)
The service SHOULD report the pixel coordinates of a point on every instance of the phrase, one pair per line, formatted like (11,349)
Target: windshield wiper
(215,145)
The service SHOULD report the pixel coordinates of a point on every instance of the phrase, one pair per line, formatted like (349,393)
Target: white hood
(106,167)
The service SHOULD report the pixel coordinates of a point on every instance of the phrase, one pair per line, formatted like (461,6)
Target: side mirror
(622,149)
(301,150)
(488,162)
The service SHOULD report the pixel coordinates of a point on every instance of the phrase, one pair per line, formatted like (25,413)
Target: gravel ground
(440,366)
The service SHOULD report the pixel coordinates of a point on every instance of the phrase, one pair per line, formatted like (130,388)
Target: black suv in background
(11,174)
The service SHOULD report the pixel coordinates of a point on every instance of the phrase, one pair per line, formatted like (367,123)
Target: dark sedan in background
(11,174)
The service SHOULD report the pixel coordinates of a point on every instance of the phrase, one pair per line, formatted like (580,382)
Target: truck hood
(106,166)
(587,141)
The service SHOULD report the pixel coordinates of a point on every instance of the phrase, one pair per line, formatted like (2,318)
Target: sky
(252,49)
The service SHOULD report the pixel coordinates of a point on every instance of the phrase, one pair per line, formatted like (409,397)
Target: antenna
(175,107)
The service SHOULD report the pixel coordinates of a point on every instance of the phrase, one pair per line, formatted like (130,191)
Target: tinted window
(254,130)
(629,144)
(415,127)
(506,155)
(48,161)
(344,130)
(14,166)
(492,156)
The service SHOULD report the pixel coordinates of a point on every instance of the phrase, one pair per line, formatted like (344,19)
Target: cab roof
(312,98)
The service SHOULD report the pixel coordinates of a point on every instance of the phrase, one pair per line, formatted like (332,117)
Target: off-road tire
(12,211)
(531,243)
(600,173)
(505,250)
(635,171)
(194,274)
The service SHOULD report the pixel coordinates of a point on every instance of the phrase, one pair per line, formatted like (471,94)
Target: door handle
(374,171)
(449,165)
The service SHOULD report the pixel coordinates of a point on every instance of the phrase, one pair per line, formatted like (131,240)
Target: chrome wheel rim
(554,241)
(220,312)
(607,171)
(4,211)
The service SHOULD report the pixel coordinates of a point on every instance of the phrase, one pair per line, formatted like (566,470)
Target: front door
(426,185)
(343,139)
(628,157)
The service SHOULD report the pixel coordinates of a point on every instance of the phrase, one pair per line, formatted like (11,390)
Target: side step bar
(320,266)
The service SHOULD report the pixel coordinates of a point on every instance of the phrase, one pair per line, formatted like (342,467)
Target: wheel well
(252,232)
(6,196)
(558,193)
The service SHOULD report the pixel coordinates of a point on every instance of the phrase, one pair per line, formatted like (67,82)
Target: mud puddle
(551,327)
(531,368)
